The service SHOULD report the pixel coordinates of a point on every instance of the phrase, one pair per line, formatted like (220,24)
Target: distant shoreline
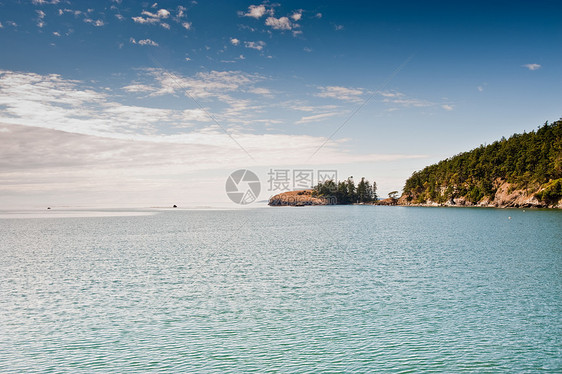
(306,198)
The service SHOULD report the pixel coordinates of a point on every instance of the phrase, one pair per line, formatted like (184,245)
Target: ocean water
(311,289)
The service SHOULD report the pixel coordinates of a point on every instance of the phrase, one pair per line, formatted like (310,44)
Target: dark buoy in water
(175,206)
(48,207)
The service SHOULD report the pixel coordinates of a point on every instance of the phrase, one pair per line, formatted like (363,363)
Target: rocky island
(298,198)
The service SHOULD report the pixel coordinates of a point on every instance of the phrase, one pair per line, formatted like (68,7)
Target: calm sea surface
(315,289)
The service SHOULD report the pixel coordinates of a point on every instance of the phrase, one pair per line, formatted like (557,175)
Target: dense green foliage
(529,161)
(345,192)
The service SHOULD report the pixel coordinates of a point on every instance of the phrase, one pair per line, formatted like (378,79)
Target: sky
(126,103)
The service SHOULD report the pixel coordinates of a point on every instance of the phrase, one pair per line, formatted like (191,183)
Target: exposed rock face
(506,196)
(297,198)
(388,201)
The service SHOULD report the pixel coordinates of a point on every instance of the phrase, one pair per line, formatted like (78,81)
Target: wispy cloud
(45,2)
(97,23)
(410,102)
(532,66)
(180,13)
(40,18)
(308,108)
(447,107)
(317,117)
(234,41)
(340,93)
(255,45)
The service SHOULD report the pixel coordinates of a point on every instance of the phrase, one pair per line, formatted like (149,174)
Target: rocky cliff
(507,195)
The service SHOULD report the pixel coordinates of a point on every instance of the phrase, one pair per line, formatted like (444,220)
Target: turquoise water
(315,289)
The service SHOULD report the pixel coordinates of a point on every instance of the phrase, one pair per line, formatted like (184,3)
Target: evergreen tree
(531,161)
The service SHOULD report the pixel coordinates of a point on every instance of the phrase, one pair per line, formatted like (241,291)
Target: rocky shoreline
(505,197)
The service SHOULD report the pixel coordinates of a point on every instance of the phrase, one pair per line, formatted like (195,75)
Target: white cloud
(282,23)
(234,41)
(186,25)
(255,45)
(148,42)
(255,11)
(338,27)
(410,102)
(391,94)
(259,90)
(151,18)
(56,33)
(163,13)
(50,101)
(297,15)
(1,26)
(97,23)
(532,66)
(309,108)
(142,20)
(149,14)
(341,93)
(144,42)
(480,88)
(447,107)
(40,17)
(317,117)
(318,15)
(211,87)
(136,87)
(181,12)
(76,13)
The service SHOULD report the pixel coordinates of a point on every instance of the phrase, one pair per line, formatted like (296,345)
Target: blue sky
(153,103)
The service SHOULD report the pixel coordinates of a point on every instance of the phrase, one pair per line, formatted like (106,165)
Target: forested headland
(524,170)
